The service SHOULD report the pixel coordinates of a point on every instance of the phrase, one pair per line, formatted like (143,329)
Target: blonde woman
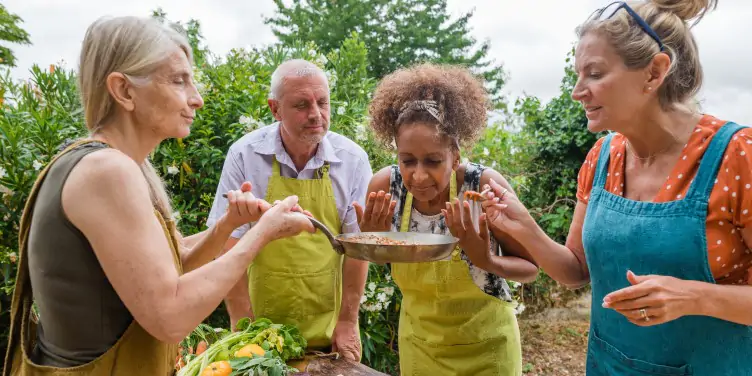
(116,286)
(663,224)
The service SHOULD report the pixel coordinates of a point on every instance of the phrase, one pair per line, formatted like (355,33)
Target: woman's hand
(662,298)
(505,211)
(476,244)
(243,207)
(284,219)
(378,213)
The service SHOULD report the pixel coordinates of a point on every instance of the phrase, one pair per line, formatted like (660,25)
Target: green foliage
(540,157)
(10,31)
(397,33)
(558,141)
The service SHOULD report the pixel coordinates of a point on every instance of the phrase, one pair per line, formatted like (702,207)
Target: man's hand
(346,341)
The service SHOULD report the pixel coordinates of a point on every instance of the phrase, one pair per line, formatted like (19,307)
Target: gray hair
(292,68)
(135,47)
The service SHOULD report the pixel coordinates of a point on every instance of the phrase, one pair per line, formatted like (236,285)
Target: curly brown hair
(461,99)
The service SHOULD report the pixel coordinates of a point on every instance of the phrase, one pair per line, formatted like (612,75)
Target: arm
(238,300)
(135,255)
(667,298)
(517,265)
(205,246)
(565,264)
(355,272)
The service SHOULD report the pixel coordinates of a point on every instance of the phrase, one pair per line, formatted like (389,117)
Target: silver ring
(644,314)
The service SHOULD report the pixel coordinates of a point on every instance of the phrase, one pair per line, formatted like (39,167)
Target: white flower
(363,299)
(312,52)
(389,290)
(341,111)
(486,152)
(176,216)
(372,286)
(322,60)
(493,164)
(378,307)
(2,172)
(245,120)
(172,170)
(515,284)
(520,308)
(37,165)
(389,278)
(201,87)
(252,78)
(381,297)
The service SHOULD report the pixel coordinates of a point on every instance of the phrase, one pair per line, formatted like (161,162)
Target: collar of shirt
(272,145)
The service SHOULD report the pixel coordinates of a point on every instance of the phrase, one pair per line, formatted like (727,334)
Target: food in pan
(375,239)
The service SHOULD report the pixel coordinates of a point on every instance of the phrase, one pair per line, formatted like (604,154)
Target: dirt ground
(554,343)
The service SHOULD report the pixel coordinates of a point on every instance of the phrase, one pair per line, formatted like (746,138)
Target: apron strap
(601,171)
(408,209)
(323,171)
(711,162)
(275,168)
(21,301)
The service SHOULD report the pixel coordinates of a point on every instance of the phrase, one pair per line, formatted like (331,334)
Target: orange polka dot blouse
(730,204)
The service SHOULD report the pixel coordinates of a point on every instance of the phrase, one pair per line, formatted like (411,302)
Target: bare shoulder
(104,180)
(381,180)
(489,174)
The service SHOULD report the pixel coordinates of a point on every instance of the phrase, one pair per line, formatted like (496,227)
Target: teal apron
(666,238)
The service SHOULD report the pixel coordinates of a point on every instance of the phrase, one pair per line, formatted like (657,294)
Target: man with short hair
(301,280)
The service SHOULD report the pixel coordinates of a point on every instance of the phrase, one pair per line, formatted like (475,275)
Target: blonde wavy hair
(135,47)
(670,20)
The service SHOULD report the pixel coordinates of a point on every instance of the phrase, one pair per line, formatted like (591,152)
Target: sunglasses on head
(610,10)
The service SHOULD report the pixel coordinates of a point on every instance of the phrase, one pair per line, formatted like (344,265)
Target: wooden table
(332,365)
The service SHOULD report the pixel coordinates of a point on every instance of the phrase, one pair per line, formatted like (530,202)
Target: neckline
(700,130)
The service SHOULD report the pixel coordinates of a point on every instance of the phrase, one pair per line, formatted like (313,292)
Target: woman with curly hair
(457,315)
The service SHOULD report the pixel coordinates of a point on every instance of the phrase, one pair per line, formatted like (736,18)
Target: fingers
(627,293)
(453,219)
(358,211)
(483,227)
(636,279)
(631,304)
(380,207)
(467,217)
(369,204)
(246,187)
(233,198)
(288,203)
(636,313)
(390,213)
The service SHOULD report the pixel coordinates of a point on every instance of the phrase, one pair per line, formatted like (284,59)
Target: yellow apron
(135,353)
(448,325)
(298,280)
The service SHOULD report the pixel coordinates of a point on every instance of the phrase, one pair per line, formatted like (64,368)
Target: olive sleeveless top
(80,315)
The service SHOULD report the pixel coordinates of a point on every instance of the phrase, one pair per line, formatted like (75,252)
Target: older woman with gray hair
(116,286)
(662,227)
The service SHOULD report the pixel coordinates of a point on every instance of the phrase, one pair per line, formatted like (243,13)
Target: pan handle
(335,243)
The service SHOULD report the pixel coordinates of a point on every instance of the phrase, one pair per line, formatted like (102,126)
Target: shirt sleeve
(587,172)
(738,161)
(231,179)
(361,178)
